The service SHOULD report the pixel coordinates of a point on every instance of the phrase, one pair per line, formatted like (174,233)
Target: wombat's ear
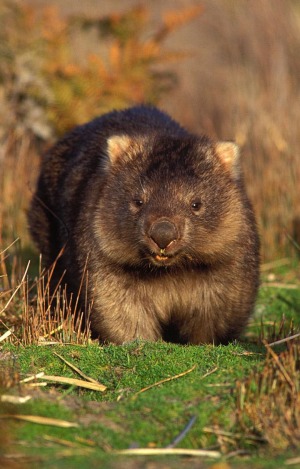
(117,146)
(229,154)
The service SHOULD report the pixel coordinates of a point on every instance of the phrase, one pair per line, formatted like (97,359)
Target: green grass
(120,418)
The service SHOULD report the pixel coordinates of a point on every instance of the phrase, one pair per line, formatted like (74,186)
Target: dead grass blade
(14,399)
(28,380)
(59,441)
(17,289)
(57,329)
(72,452)
(280,366)
(170,451)
(165,380)
(5,335)
(73,367)
(41,420)
(10,245)
(32,377)
(75,382)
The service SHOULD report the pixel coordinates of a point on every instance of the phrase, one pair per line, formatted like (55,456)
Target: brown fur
(158,224)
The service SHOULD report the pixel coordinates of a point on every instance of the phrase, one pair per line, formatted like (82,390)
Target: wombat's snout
(163,233)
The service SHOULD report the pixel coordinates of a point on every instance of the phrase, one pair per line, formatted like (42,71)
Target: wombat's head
(169,201)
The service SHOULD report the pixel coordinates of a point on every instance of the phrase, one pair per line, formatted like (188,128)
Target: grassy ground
(219,386)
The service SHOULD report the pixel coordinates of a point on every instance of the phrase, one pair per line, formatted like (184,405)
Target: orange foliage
(71,86)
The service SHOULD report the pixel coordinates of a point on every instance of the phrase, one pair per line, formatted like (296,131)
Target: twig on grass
(174,377)
(209,373)
(236,436)
(68,443)
(286,339)
(165,380)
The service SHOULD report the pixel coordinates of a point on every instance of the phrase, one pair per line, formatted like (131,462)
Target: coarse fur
(157,225)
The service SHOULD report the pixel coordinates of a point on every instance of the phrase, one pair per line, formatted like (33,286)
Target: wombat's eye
(138,203)
(196,205)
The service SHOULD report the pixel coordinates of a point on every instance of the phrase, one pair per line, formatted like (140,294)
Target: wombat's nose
(163,233)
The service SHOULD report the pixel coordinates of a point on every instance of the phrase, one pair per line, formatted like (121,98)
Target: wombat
(156,225)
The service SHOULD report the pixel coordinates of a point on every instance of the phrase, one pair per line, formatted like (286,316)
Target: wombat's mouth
(162,258)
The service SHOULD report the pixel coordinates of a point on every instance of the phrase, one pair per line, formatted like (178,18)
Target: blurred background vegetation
(229,69)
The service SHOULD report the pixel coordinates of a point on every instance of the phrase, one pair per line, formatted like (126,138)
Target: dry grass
(51,317)
(248,77)
(274,331)
(19,163)
(269,401)
(36,316)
